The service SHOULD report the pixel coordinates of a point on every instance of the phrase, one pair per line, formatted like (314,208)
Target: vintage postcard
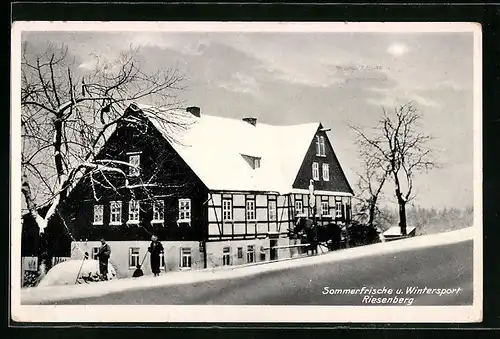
(246,172)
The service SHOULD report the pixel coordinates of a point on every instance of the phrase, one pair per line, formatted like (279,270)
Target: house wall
(337,181)
(334,214)
(160,162)
(120,255)
(215,250)
(240,227)
(160,165)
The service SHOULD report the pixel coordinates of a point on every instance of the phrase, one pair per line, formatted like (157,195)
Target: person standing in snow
(103,255)
(155,248)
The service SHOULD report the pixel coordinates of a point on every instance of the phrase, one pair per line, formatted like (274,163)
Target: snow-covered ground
(68,272)
(54,293)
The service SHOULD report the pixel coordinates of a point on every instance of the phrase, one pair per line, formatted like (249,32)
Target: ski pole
(143,259)
(84,257)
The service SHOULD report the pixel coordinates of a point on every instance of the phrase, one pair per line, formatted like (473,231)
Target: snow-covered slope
(41,294)
(71,272)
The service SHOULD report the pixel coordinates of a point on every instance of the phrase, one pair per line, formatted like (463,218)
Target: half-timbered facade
(215,191)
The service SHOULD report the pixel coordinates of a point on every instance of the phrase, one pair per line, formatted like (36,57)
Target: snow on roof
(396,231)
(214,147)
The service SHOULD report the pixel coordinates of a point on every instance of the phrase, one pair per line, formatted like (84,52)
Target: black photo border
(486,15)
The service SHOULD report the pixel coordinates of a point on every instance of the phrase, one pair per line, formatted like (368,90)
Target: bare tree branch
(64,128)
(399,149)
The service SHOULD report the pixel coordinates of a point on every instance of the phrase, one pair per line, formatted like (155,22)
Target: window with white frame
(272,210)
(98,214)
(95,250)
(256,163)
(133,212)
(185,210)
(240,252)
(315,171)
(253,161)
(226,256)
(262,253)
(250,253)
(251,210)
(162,260)
(135,161)
(326,172)
(227,210)
(338,209)
(324,208)
(133,257)
(158,211)
(320,145)
(115,212)
(186,257)
(299,207)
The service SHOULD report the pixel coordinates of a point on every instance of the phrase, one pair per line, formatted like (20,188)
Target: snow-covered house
(220,191)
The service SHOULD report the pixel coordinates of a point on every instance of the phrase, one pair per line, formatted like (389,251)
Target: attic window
(320,145)
(254,162)
(134,160)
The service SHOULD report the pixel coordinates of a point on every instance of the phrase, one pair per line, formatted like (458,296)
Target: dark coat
(104,253)
(155,249)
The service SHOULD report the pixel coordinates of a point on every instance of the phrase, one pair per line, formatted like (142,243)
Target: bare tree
(68,114)
(398,145)
(370,184)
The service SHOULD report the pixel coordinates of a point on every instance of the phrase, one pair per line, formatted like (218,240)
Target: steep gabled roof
(214,148)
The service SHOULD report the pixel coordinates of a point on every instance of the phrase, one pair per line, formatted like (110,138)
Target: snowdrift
(66,272)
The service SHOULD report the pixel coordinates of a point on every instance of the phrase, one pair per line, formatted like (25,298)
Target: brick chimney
(251,121)
(194,110)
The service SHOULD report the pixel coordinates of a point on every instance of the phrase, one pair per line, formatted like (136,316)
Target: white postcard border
(242,314)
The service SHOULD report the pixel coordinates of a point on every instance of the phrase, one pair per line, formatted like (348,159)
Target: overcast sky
(335,78)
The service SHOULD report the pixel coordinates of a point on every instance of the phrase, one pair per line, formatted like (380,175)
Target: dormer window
(320,146)
(254,162)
